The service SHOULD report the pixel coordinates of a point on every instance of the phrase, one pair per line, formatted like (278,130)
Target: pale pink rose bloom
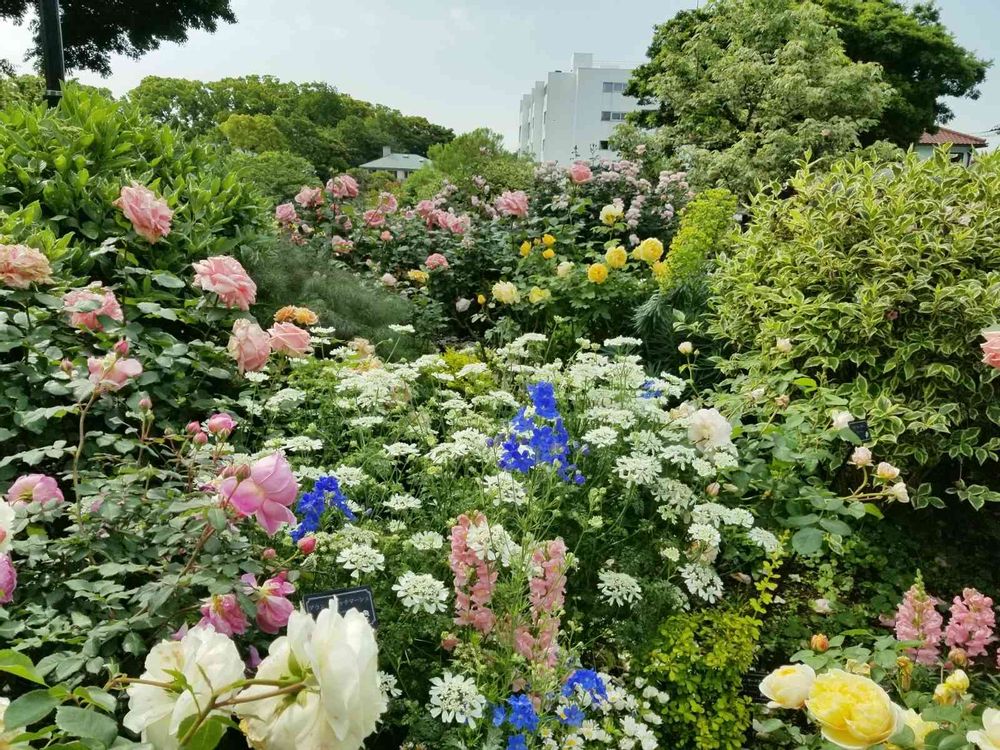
(87,306)
(387,203)
(435,261)
(462,304)
(21,266)
(289,339)
(385,236)
(309,197)
(8,579)
(580,172)
(249,345)
(273,606)
(266,493)
(341,245)
(512,203)
(343,186)
(220,424)
(110,373)
(223,612)
(991,348)
(374,218)
(35,488)
(389,280)
(148,213)
(227,278)
(285,214)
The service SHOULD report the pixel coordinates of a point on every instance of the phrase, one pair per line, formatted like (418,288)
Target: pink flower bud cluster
(918,620)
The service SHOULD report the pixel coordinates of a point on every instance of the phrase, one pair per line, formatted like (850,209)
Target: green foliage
(256,133)
(882,275)
(701,237)
(275,174)
(481,153)
(24,89)
(753,86)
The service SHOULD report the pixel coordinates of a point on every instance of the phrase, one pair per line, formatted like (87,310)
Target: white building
(961,146)
(570,115)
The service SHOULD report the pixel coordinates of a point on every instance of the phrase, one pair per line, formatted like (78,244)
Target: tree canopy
(93,30)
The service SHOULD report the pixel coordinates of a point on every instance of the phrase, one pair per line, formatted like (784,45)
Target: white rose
(462,304)
(788,686)
(899,493)
(564,268)
(709,430)
(6,526)
(886,471)
(861,457)
(989,737)
(685,347)
(783,345)
(841,419)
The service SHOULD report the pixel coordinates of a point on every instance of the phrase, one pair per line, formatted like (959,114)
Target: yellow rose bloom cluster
(525,249)
(616,257)
(417,275)
(538,295)
(611,213)
(506,293)
(597,273)
(650,250)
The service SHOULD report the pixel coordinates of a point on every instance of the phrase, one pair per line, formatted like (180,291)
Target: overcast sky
(460,63)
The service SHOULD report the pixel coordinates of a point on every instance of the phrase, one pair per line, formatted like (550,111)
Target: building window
(607,116)
(613,87)
(604,145)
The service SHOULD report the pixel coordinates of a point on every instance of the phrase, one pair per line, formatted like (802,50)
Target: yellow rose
(537,294)
(957,681)
(853,712)
(564,268)
(649,250)
(989,737)
(548,240)
(525,249)
(506,292)
(918,726)
(548,253)
(417,275)
(597,273)
(481,299)
(611,213)
(616,257)
(788,686)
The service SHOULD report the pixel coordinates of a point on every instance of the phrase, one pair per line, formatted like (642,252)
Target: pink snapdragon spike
(220,424)
(21,266)
(266,492)
(288,338)
(436,261)
(87,306)
(547,594)
(285,214)
(471,601)
(309,197)
(991,348)
(8,579)
(35,488)
(148,213)
(227,278)
(343,186)
(918,620)
(223,612)
(972,623)
(111,372)
(512,203)
(249,345)
(271,597)
(580,172)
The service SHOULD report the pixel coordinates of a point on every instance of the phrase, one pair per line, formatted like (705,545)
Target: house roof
(946,135)
(397,161)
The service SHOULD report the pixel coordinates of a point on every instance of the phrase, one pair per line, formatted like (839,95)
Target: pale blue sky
(461,63)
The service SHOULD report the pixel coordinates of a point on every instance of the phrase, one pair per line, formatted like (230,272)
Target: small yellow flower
(611,213)
(481,299)
(616,257)
(417,275)
(525,249)
(649,250)
(597,273)
(548,240)
(659,269)
(548,253)
(506,293)
(538,295)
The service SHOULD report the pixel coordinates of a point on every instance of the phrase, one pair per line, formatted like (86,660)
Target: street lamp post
(52,50)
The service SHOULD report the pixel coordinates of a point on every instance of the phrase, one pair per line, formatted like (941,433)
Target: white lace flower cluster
(421,592)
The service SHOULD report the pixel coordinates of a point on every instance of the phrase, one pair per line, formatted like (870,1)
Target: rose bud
(200,438)
(145,403)
(122,347)
(958,657)
(269,554)
(819,643)
(193,428)
(307,545)
(66,366)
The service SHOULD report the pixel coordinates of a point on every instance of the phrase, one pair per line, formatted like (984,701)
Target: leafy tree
(749,86)
(919,56)
(277,175)
(93,30)
(253,133)
(481,153)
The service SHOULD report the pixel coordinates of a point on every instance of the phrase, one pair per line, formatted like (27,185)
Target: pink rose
(374,218)
(266,493)
(223,612)
(220,424)
(285,214)
(228,279)
(273,607)
(8,579)
(35,488)
(249,345)
(991,348)
(21,266)
(110,373)
(580,172)
(389,280)
(149,214)
(289,339)
(308,197)
(387,203)
(340,245)
(435,261)
(426,208)
(513,203)
(343,186)
(87,306)
(385,236)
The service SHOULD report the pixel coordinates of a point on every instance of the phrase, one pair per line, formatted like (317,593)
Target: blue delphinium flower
(326,492)
(589,681)
(517,742)
(543,398)
(499,715)
(522,713)
(571,716)
(648,391)
(533,442)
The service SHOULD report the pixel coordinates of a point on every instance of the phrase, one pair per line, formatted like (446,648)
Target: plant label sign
(357,597)
(860,428)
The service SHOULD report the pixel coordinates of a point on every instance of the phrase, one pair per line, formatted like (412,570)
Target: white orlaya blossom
(335,658)
(455,698)
(208,662)
(421,592)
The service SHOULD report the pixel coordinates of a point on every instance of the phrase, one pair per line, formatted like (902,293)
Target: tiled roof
(945,135)
(397,161)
